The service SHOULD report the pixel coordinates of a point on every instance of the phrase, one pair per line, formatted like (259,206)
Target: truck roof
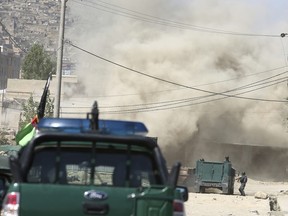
(78,125)
(75,138)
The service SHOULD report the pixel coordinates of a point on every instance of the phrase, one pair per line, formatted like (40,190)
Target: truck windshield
(79,166)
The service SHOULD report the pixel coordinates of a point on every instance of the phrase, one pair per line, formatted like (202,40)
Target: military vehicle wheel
(202,189)
(231,191)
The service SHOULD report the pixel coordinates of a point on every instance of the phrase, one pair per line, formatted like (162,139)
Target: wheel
(231,191)
(202,189)
(231,188)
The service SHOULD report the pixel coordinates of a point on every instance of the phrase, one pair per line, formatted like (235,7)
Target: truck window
(111,168)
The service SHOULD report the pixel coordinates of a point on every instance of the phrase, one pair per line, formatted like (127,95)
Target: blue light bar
(75,125)
(122,127)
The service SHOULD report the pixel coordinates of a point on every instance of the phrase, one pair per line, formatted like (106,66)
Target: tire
(202,189)
(230,191)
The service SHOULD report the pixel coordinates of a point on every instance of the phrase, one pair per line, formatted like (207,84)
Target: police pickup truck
(93,167)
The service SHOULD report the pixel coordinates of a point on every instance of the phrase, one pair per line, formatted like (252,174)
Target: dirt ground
(217,204)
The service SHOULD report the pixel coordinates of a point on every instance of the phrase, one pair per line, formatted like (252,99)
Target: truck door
(212,172)
(154,201)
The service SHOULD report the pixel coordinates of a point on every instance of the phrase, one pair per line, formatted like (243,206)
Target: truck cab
(93,167)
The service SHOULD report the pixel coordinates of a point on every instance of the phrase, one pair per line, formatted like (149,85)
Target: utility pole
(59,60)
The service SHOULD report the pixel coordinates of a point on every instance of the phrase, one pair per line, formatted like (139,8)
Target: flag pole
(42,103)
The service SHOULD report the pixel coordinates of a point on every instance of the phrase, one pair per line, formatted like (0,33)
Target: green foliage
(49,108)
(37,64)
(30,110)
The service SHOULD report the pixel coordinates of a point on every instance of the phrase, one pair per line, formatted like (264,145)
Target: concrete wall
(22,88)
(19,90)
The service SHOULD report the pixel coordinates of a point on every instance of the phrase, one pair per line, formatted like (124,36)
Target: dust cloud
(205,47)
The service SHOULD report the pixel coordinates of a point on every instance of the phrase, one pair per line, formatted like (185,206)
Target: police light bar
(75,125)
(68,125)
(122,127)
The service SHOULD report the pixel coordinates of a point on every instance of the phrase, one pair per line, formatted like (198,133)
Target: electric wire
(180,89)
(161,108)
(280,80)
(186,100)
(255,84)
(157,20)
(185,103)
(197,98)
(157,78)
(176,105)
(171,106)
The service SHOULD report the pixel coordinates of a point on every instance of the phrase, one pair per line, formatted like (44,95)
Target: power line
(186,104)
(151,76)
(170,105)
(185,100)
(211,93)
(121,11)
(179,105)
(199,85)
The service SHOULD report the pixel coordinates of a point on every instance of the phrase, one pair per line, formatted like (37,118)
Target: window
(111,167)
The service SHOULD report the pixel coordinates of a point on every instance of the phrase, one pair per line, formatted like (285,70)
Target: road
(217,204)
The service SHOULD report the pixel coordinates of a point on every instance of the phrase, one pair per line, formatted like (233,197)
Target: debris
(273,203)
(261,195)
(255,211)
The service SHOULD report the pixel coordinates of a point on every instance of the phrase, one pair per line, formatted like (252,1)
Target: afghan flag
(29,130)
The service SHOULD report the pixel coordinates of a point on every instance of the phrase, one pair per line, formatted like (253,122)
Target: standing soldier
(243,180)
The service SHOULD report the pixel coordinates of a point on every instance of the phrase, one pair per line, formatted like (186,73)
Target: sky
(195,71)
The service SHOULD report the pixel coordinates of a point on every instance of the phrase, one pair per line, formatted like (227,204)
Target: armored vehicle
(211,174)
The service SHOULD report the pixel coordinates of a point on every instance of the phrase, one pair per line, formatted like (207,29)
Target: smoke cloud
(191,56)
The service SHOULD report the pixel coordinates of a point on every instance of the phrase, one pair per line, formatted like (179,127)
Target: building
(20,90)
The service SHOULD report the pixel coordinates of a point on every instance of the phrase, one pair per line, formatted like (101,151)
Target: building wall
(19,90)
(23,88)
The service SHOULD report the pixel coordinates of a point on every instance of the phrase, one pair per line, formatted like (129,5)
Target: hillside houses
(22,24)
(32,21)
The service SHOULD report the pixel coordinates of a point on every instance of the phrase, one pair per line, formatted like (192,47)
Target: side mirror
(184,192)
(174,174)
(15,169)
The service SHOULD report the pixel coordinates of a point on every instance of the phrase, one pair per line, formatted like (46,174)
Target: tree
(37,64)
(30,110)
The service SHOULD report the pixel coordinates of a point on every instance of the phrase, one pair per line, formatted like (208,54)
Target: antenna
(95,116)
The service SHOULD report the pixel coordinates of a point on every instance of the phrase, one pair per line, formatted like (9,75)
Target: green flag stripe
(28,137)
(22,133)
